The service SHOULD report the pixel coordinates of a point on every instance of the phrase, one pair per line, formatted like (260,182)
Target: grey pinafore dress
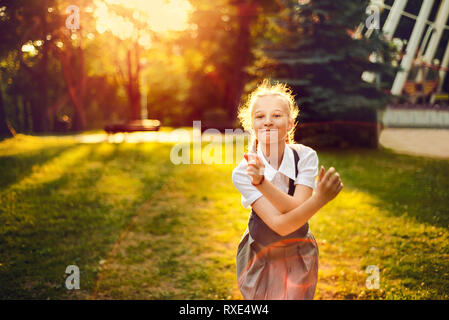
(271,267)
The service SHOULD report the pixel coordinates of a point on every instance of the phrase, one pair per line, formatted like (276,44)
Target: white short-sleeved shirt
(307,172)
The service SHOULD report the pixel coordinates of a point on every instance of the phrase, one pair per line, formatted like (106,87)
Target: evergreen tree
(313,48)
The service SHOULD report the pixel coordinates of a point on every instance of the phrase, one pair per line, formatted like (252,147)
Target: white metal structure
(412,46)
(393,18)
(415,45)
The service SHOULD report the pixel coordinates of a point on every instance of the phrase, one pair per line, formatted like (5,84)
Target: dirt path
(424,142)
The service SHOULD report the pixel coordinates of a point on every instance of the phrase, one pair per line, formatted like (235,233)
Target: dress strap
(291,187)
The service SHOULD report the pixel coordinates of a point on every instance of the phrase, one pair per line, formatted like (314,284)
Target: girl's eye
(259,117)
(277,115)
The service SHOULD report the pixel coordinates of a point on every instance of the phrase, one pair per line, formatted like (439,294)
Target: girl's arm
(328,187)
(286,223)
(282,201)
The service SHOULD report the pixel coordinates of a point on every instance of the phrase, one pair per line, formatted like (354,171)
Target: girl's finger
(253,166)
(321,174)
(339,187)
(335,178)
(258,162)
(252,158)
(335,185)
(254,171)
(328,174)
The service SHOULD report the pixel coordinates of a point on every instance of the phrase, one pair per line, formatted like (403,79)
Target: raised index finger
(328,174)
(252,158)
(259,161)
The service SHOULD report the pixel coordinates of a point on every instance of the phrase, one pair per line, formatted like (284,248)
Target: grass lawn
(140,227)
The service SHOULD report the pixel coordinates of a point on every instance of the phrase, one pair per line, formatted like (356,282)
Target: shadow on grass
(16,168)
(411,250)
(411,185)
(71,220)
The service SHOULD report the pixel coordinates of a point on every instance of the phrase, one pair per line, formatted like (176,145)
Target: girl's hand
(329,185)
(255,168)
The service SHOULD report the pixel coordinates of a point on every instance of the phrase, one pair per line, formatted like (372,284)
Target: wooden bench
(133,126)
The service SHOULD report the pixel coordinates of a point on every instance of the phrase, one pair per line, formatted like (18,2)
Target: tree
(4,131)
(26,22)
(223,41)
(32,32)
(314,51)
(48,69)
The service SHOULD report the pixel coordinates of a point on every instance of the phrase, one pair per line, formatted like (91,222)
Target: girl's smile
(271,119)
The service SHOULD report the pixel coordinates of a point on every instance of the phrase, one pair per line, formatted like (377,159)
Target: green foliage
(190,74)
(221,53)
(315,54)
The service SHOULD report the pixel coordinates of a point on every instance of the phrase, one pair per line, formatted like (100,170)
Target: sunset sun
(155,15)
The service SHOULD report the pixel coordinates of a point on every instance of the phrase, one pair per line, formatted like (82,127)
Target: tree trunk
(79,121)
(75,85)
(36,116)
(133,86)
(4,131)
(18,114)
(43,96)
(43,79)
(246,15)
(26,116)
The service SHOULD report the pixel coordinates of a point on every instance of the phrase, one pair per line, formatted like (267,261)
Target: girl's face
(270,119)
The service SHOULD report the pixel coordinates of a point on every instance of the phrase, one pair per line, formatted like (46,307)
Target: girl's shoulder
(303,150)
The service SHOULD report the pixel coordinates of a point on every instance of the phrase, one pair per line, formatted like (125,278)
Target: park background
(140,227)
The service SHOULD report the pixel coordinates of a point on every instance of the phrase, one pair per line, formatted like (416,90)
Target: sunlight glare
(29,48)
(158,15)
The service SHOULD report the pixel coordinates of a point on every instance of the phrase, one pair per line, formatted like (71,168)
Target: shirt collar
(287,166)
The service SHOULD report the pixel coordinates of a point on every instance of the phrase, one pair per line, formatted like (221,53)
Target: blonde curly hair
(266,88)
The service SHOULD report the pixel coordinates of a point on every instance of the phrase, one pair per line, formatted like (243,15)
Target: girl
(277,257)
